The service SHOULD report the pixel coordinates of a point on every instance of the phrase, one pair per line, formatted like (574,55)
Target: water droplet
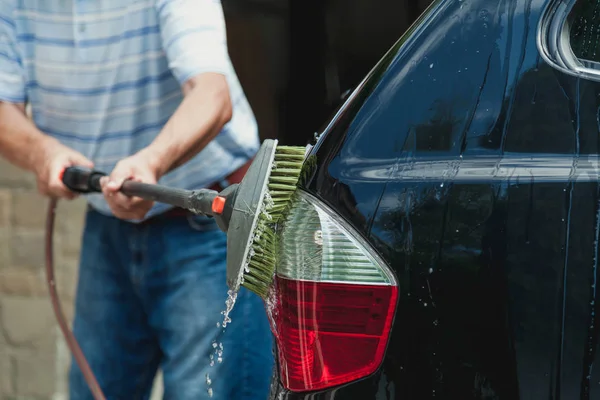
(229,303)
(318,237)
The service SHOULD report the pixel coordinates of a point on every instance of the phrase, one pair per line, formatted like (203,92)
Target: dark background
(296,59)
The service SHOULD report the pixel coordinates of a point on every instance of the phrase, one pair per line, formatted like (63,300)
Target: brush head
(260,201)
(247,206)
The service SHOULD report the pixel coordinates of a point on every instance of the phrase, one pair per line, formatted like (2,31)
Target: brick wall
(34,359)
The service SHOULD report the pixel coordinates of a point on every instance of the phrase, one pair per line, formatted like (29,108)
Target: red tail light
(333,304)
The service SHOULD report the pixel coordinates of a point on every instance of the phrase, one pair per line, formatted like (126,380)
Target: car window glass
(585,30)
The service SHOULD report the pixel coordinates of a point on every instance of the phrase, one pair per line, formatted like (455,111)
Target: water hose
(60,317)
(83,180)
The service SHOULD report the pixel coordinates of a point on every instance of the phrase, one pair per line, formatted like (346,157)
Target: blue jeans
(151,296)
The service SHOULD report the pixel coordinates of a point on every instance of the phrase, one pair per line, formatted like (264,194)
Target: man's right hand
(50,158)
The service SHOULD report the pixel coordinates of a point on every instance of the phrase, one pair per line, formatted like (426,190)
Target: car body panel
(471,166)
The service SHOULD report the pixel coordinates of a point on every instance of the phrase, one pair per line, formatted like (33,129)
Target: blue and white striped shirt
(104,76)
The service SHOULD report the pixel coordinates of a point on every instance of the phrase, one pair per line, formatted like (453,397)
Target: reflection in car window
(585,30)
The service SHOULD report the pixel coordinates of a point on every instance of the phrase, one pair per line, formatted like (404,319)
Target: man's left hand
(139,168)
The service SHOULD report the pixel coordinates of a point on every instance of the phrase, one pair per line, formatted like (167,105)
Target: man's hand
(138,167)
(51,158)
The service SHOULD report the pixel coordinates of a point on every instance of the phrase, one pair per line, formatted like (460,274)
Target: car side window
(569,37)
(584,35)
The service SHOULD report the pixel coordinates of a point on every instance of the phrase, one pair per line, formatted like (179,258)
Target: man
(145,90)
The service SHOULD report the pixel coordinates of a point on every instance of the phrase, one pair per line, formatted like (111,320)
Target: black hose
(60,317)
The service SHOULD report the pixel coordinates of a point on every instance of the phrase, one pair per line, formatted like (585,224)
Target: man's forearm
(19,136)
(205,109)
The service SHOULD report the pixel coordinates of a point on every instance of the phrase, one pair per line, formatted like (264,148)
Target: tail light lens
(333,300)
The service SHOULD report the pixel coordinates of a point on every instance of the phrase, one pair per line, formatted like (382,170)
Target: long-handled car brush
(247,212)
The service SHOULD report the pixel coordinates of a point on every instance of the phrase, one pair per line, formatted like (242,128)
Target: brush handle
(82,180)
(162,194)
(85,180)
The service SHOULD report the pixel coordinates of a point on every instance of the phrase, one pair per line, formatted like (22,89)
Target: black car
(444,241)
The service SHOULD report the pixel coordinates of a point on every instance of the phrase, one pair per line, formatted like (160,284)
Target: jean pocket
(200,223)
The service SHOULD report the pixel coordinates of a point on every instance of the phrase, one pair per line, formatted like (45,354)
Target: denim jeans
(151,296)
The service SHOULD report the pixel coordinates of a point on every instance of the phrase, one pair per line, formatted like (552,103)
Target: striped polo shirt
(104,76)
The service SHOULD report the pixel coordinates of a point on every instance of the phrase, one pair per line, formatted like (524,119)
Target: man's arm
(195,41)
(17,134)
(21,143)
(19,138)
(205,109)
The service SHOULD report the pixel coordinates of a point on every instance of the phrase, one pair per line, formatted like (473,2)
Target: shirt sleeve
(12,76)
(194,37)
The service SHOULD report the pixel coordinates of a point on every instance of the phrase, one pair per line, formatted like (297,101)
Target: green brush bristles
(285,173)
(284,178)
